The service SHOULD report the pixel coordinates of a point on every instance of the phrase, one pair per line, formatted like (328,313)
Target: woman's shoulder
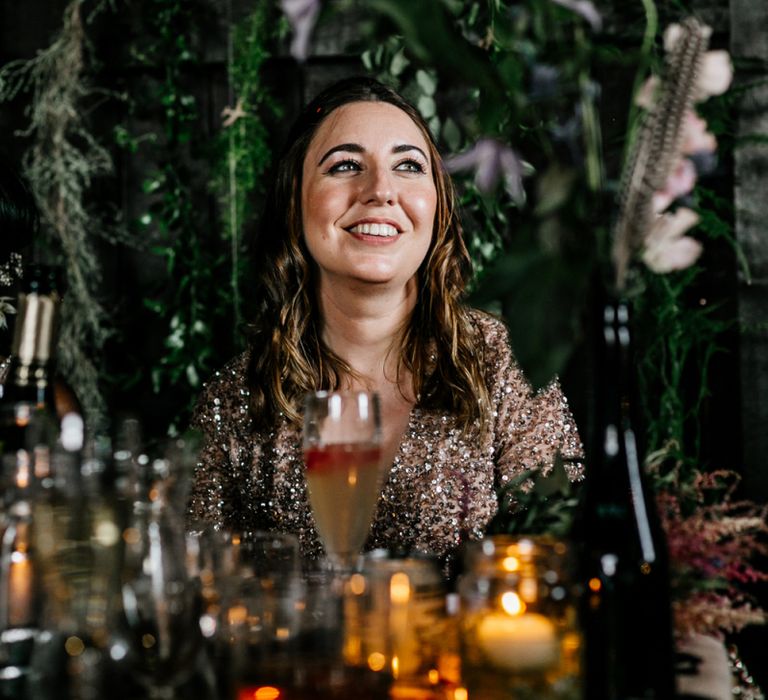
(491,330)
(224,397)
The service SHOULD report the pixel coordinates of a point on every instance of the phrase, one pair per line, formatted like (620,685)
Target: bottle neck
(616,384)
(35,328)
(33,342)
(616,462)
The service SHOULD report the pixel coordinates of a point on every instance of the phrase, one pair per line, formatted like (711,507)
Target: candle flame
(512,604)
(22,469)
(510,564)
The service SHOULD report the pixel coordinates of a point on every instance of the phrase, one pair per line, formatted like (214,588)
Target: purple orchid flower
(586,9)
(302,15)
(492,160)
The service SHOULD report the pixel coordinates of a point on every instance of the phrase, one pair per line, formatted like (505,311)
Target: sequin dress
(441,486)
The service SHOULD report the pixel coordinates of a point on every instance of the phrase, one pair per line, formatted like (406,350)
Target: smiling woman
(361,269)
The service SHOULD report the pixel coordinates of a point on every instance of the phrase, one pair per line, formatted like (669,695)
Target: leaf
(434,38)
(541,296)
(451,135)
(399,63)
(427,82)
(426,106)
(553,189)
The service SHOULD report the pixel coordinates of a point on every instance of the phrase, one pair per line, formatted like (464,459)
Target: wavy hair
(441,347)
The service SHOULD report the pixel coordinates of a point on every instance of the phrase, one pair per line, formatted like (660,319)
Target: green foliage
(243,147)
(190,302)
(62,163)
(534,504)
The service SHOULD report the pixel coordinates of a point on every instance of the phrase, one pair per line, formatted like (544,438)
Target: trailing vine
(243,145)
(61,164)
(186,303)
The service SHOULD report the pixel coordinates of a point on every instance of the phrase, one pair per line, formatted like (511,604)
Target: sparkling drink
(344,482)
(342,453)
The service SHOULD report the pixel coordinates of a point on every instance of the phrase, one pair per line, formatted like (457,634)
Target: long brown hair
(440,348)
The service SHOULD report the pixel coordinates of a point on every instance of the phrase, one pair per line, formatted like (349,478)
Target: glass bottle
(622,557)
(27,436)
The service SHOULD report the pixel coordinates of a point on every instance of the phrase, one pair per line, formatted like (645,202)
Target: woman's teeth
(375,229)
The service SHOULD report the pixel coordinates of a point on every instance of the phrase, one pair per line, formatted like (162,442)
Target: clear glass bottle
(28,434)
(622,556)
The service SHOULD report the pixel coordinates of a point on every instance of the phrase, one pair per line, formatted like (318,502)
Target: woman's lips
(374,229)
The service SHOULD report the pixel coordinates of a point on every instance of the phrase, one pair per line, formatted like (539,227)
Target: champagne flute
(342,453)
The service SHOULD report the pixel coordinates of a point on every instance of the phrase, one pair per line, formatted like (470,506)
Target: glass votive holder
(519,633)
(394,619)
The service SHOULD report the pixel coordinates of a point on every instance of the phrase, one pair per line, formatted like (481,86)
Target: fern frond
(657,147)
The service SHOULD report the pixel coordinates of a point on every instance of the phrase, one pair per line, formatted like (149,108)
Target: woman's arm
(529,428)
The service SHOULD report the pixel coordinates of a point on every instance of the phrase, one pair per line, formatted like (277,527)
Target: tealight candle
(518,643)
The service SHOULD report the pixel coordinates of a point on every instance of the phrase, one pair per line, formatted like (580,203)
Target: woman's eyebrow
(357,148)
(348,147)
(408,147)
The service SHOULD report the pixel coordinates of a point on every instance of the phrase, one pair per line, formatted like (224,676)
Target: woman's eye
(344,166)
(410,166)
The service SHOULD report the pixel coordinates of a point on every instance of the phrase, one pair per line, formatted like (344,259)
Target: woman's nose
(379,187)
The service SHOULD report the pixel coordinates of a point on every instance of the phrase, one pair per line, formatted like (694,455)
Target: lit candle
(405,646)
(20,590)
(526,642)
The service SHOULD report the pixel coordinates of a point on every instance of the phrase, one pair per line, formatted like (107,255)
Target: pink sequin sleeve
(530,428)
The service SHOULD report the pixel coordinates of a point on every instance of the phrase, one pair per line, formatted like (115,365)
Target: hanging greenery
(62,163)
(167,51)
(243,147)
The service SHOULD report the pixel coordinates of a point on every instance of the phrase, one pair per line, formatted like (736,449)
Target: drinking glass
(342,453)
(161,640)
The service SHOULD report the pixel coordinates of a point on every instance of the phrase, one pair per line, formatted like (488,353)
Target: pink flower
(646,95)
(302,15)
(492,160)
(666,246)
(696,138)
(680,182)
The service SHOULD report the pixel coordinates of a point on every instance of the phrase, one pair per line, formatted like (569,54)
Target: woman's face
(368,200)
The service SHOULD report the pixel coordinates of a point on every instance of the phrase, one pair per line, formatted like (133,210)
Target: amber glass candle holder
(519,629)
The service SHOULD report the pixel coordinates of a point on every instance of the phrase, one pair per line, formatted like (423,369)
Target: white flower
(646,95)
(666,246)
(674,32)
(586,9)
(715,75)
(230,115)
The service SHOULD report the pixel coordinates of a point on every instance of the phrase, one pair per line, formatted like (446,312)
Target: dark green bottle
(622,555)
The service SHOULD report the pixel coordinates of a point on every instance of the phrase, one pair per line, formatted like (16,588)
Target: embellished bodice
(441,486)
